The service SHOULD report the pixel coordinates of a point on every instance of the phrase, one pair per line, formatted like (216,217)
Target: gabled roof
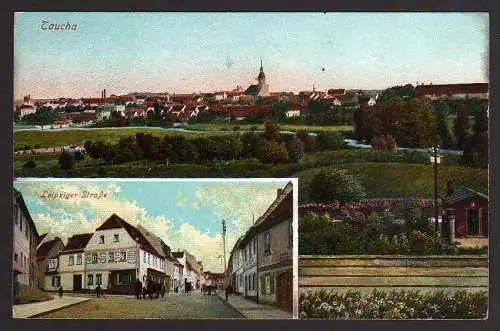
(451,89)
(115,222)
(253,90)
(155,241)
(77,242)
(283,194)
(461,193)
(178,255)
(44,249)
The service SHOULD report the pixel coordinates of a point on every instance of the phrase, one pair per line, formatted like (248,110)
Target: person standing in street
(60,291)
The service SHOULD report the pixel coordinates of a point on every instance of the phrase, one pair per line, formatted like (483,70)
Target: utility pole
(224,242)
(436,212)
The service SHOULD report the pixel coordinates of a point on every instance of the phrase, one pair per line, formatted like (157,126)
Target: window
(94,258)
(116,238)
(79,259)
(290,234)
(71,260)
(111,257)
(149,258)
(98,279)
(124,279)
(90,279)
(267,243)
(123,256)
(101,240)
(56,280)
(15,257)
(144,258)
(16,214)
(102,257)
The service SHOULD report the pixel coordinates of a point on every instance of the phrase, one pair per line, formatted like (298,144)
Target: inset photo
(155,248)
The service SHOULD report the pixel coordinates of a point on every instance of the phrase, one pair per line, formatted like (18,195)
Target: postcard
(383,118)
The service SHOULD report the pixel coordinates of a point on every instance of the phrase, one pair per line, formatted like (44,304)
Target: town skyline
(185,214)
(333,50)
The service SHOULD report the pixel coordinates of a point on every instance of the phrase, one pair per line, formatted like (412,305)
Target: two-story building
(26,240)
(70,265)
(275,251)
(177,277)
(47,262)
(192,270)
(248,245)
(117,254)
(235,271)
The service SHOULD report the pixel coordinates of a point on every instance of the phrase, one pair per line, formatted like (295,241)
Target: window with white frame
(101,240)
(111,257)
(56,281)
(123,256)
(98,279)
(116,238)
(79,259)
(90,279)
(71,260)
(94,258)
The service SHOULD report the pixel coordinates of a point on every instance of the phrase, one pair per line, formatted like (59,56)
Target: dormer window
(101,240)
(116,238)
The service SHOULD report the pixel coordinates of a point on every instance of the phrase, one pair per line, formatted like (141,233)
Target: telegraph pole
(224,242)
(436,212)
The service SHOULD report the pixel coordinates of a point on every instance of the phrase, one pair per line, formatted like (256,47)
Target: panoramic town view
(153,249)
(383,118)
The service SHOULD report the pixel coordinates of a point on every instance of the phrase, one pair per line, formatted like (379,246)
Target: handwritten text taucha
(49,26)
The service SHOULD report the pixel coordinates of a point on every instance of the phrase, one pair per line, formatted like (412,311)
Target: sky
(184,214)
(193,52)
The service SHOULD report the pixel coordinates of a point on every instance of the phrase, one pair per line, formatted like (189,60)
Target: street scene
(98,249)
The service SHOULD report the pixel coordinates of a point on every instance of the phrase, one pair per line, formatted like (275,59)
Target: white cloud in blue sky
(186,215)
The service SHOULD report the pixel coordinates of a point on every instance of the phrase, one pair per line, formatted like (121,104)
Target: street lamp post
(224,242)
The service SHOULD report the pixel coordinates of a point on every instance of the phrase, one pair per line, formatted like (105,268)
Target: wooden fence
(365,273)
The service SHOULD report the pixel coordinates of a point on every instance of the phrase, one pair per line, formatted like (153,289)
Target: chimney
(449,188)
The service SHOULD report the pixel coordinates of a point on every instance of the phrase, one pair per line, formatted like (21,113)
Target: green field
(73,137)
(283,127)
(398,180)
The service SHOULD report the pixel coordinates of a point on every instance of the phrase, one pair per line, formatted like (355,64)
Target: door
(284,295)
(473,221)
(77,282)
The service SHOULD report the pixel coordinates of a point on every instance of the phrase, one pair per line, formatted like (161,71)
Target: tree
(330,185)
(66,160)
(97,150)
(296,150)
(307,140)
(476,147)
(442,129)
(272,132)
(272,151)
(404,92)
(462,125)
(326,141)
(279,111)
(363,129)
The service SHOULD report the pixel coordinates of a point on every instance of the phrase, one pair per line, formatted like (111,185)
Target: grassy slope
(284,127)
(63,138)
(396,180)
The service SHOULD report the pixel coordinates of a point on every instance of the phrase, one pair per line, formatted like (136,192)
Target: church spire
(261,68)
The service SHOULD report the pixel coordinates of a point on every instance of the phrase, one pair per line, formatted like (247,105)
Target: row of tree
(271,146)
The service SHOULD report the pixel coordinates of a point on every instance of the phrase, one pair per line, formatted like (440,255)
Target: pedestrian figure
(60,291)
(209,290)
(227,292)
(98,290)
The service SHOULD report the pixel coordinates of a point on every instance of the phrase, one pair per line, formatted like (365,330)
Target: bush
(327,141)
(66,160)
(335,185)
(30,164)
(296,149)
(399,304)
(272,152)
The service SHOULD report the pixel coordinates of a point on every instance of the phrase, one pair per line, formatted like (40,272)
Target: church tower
(264,88)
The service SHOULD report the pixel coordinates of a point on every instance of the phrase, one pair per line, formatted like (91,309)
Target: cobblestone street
(169,307)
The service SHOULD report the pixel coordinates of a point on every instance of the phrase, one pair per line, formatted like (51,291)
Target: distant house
(27,109)
(453,91)
(470,208)
(293,111)
(215,280)
(48,261)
